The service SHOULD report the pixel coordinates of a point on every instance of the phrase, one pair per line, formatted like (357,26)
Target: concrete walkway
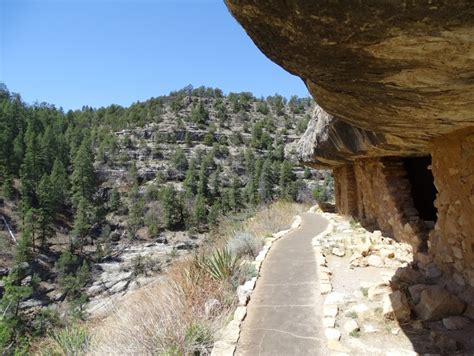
(284,315)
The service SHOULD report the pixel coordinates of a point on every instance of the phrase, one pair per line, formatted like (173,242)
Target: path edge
(227,343)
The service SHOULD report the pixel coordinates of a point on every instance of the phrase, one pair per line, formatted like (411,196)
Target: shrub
(220,264)
(245,243)
(71,341)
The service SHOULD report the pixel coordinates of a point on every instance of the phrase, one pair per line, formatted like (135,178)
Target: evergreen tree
(287,180)
(265,188)
(12,325)
(83,176)
(29,228)
(49,149)
(46,209)
(82,223)
(190,182)
(199,114)
(216,184)
(199,211)
(187,139)
(307,173)
(60,183)
(234,194)
(172,208)
(8,191)
(135,215)
(24,249)
(179,160)
(114,202)
(202,188)
(214,213)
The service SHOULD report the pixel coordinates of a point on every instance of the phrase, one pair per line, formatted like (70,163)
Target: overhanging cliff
(392,74)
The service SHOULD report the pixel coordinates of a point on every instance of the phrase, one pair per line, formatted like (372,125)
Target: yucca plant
(220,264)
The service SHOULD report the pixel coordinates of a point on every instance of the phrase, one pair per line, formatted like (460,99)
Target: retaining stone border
(227,342)
(330,309)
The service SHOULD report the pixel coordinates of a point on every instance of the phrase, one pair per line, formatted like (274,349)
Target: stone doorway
(423,190)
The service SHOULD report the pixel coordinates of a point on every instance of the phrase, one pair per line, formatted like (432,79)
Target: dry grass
(274,218)
(168,318)
(174,317)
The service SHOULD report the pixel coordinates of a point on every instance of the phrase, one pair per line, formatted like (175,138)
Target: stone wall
(345,190)
(452,241)
(379,195)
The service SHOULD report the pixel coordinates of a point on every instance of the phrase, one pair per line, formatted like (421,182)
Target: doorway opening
(423,190)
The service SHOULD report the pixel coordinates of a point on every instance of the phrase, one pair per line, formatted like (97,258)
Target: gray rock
(395,305)
(436,303)
(456,322)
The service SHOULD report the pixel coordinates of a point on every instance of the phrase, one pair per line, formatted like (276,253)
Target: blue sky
(72,53)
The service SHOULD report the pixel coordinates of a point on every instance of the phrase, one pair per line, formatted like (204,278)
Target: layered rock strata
(393,80)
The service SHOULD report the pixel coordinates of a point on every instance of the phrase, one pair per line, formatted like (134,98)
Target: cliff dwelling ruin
(395,122)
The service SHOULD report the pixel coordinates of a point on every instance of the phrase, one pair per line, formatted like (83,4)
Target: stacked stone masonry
(377,192)
(452,240)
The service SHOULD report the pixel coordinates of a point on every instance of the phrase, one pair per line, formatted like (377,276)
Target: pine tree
(135,215)
(114,202)
(179,160)
(216,184)
(172,208)
(8,191)
(11,322)
(24,250)
(234,194)
(30,172)
(199,211)
(286,181)
(82,223)
(187,139)
(265,187)
(214,213)
(46,209)
(49,149)
(83,176)
(60,183)
(190,182)
(202,188)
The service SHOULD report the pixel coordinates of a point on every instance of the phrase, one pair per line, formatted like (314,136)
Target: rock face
(403,70)
(395,117)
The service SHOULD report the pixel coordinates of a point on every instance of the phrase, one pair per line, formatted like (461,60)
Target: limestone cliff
(403,71)
(394,81)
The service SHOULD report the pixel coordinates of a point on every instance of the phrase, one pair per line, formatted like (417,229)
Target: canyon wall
(394,83)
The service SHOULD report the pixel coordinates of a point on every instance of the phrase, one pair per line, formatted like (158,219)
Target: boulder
(456,322)
(395,306)
(436,303)
(415,291)
(375,261)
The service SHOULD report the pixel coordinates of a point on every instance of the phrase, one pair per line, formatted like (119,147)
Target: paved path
(284,313)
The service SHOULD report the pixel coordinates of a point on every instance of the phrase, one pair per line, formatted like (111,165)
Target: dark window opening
(423,190)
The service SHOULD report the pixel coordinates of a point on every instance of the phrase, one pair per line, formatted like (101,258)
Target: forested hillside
(79,187)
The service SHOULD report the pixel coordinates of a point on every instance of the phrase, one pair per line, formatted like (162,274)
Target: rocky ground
(380,302)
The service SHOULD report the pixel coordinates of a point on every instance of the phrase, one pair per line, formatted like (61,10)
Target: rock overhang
(388,76)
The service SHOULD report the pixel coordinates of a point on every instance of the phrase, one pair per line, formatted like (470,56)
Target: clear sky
(83,52)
